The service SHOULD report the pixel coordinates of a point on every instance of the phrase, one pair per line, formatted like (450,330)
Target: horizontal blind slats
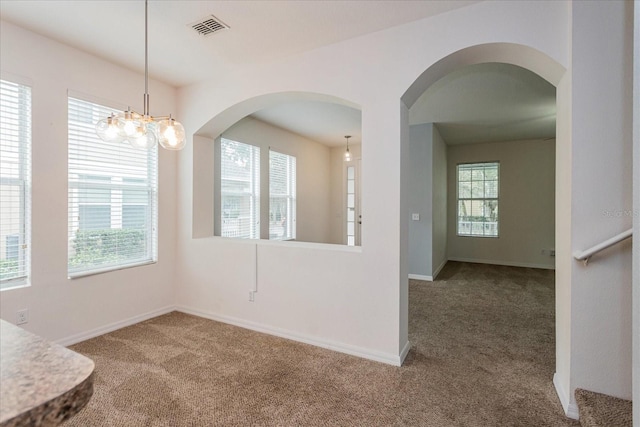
(240,189)
(112,197)
(282,196)
(15,183)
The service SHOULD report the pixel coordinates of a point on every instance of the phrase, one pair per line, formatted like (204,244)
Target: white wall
(526,206)
(420,201)
(59,308)
(313,168)
(382,66)
(439,197)
(601,196)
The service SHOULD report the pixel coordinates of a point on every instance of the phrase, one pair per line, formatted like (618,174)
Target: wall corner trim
(404,352)
(570,407)
(440,267)
(390,359)
(83,336)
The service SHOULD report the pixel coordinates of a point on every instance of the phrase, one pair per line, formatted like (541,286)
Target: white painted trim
(569,406)
(506,263)
(390,359)
(83,336)
(440,267)
(420,277)
(404,352)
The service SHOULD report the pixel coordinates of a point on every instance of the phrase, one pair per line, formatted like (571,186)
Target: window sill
(80,274)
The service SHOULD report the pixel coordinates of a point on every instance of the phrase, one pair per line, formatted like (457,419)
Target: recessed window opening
(15,184)
(112,198)
(240,189)
(282,196)
(478,199)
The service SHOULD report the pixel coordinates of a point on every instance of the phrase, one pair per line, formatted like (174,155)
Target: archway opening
(273,167)
(477,220)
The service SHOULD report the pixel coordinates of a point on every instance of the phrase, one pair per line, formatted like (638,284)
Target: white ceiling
(488,103)
(259,30)
(484,102)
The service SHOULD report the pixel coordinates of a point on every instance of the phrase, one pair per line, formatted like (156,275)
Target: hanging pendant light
(143,130)
(347,154)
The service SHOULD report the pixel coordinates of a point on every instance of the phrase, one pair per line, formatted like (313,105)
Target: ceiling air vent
(208,25)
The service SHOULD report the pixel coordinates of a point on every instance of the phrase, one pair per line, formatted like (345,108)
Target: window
(351,205)
(282,196)
(112,197)
(15,184)
(240,189)
(478,199)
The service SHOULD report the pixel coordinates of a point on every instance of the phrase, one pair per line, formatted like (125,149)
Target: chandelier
(347,154)
(143,130)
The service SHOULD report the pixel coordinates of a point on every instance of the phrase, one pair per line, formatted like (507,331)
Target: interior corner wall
(420,199)
(564,258)
(313,174)
(439,204)
(62,309)
(601,196)
(526,204)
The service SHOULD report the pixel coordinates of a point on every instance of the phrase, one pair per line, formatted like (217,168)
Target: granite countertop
(41,383)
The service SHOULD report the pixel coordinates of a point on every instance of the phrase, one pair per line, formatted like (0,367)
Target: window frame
(110,179)
(22,182)
(254,194)
(471,198)
(290,196)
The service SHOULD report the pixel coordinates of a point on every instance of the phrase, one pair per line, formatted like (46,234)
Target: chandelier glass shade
(143,130)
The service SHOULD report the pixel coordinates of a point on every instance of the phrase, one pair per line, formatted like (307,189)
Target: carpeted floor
(482,355)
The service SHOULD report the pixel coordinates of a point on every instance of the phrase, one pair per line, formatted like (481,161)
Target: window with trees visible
(282,196)
(478,185)
(112,197)
(240,189)
(15,184)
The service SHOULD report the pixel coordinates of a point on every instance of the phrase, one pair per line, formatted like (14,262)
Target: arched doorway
(550,70)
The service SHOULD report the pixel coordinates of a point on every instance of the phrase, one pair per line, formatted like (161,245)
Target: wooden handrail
(584,256)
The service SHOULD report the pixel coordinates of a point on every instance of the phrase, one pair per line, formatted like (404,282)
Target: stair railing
(586,255)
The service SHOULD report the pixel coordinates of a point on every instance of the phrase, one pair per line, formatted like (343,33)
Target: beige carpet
(482,355)
(600,410)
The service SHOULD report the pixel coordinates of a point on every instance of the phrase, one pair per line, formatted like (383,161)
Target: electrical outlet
(415,217)
(552,252)
(22,317)
(251,295)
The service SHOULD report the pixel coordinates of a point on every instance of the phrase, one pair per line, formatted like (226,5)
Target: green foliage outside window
(97,247)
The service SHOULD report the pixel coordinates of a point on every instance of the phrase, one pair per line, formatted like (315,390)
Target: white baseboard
(390,359)
(429,278)
(569,406)
(83,336)
(440,267)
(420,277)
(506,263)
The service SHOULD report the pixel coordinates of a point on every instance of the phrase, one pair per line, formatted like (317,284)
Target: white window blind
(15,184)
(240,189)
(478,199)
(282,196)
(113,189)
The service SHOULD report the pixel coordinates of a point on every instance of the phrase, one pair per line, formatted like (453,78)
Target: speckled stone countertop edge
(41,383)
